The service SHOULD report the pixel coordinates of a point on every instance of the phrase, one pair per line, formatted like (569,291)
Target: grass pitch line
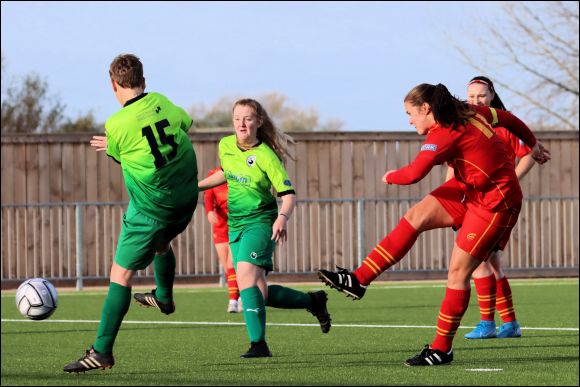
(268,324)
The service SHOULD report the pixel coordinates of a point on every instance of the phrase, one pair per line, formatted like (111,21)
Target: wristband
(284,215)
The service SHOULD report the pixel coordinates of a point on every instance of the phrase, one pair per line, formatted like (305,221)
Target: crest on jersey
(251,161)
(429,147)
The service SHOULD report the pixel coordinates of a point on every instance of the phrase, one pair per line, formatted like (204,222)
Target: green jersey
(148,137)
(250,175)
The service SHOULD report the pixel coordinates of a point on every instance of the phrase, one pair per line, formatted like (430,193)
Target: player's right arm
(109,141)
(436,150)
(210,204)
(214,180)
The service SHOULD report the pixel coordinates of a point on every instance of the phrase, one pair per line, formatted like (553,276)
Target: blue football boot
(484,330)
(509,329)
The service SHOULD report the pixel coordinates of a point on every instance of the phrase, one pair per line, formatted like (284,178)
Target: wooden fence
(337,168)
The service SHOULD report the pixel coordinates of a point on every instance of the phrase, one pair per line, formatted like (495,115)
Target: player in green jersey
(251,163)
(148,138)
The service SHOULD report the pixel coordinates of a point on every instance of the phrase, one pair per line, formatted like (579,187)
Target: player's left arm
(278,176)
(280,226)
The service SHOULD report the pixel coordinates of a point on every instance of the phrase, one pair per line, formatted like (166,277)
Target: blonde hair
(267,132)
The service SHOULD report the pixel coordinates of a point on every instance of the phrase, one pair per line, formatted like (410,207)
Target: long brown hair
(447,110)
(267,132)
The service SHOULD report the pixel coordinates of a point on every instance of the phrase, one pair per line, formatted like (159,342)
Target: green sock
(164,267)
(286,298)
(114,310)
(254,313)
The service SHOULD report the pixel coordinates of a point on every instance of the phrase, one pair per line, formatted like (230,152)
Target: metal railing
(77,241)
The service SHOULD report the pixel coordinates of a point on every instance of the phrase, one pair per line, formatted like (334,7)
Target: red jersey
(515,145)
(483,165)
(216,199)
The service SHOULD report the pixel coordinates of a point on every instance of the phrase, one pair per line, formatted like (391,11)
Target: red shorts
(220,231)
(480,231)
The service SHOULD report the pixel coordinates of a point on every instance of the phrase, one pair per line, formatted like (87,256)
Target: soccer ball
(36,299)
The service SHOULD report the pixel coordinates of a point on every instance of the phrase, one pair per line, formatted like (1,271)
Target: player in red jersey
(484,199)
(491,284)
(216,209)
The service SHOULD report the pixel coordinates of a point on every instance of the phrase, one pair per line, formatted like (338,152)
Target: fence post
(80,246)
(361,230)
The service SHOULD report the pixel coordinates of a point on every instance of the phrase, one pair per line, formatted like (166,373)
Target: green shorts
(141,236)
(253,244)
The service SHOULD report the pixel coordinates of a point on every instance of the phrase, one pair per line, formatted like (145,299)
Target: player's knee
(417,218)
(495,264)
(459,274)
(121,276)
(483,270)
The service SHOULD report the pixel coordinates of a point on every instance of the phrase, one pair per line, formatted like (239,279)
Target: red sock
(485,288)
(504,304)
(233,284)
(388,252)
(452,309)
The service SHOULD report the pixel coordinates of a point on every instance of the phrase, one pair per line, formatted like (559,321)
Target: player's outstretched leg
(150,300)
(343,281)
(92,360)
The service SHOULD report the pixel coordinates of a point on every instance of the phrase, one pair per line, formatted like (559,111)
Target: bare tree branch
(540,41)
(539,104)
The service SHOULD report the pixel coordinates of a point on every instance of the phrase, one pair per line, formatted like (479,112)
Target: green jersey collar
(137,98)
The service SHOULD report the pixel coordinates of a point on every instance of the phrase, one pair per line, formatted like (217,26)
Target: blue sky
(350,61)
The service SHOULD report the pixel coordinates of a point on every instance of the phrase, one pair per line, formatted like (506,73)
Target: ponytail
(447,110)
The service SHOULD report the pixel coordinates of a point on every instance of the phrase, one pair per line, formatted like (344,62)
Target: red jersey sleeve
(516,146)
(508,121)
(436,150)
(520,149)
